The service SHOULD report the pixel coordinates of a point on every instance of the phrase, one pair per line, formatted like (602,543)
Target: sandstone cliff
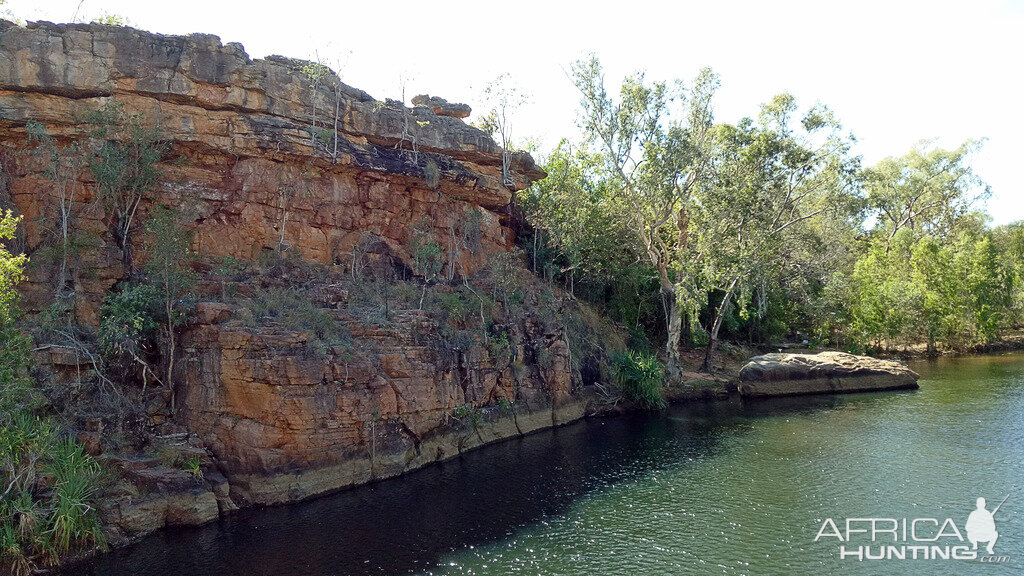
(305,184)
(248,155)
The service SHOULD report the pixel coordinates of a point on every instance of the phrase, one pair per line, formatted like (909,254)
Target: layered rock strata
(267,157)
(265,154)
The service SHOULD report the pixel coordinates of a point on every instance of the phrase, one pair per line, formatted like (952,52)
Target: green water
(721,488)
(754,502)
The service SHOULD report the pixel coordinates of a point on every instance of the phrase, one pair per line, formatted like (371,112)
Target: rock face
(822,373)
(268,157)
(254,151)
(287,424)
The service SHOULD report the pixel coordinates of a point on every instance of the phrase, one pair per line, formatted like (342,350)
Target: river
(717,488)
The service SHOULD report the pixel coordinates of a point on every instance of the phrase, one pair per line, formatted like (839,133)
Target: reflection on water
(726,488)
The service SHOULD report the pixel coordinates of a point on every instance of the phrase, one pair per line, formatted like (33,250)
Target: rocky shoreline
(179,499)
(373,223)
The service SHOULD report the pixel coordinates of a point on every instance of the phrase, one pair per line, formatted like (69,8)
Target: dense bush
(47,509)
(958,291)
(128,318)
(639,375)
(16,392)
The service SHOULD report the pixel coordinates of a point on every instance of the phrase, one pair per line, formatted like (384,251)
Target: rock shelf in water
(823,373)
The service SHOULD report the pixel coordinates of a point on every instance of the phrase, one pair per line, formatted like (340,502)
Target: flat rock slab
(823,373)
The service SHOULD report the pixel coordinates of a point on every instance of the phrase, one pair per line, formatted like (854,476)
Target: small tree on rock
(124,165)
(170,271)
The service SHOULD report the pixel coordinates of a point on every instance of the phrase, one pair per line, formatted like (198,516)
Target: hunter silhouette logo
(917,538)
(981,526)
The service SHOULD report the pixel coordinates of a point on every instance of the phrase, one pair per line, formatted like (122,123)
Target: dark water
(726,488)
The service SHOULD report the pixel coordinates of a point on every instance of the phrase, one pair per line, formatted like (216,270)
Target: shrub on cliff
(293,310)
(128,321)
(125,168)
(169,243)
(152,309)
(639,375)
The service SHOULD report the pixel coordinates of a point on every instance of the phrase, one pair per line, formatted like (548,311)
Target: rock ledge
(823,373)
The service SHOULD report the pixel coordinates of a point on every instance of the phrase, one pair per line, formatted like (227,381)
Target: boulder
(442,107)
(823,373)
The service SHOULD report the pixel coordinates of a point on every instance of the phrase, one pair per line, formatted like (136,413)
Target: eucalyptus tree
(655,141)
(768,180)
(928,190)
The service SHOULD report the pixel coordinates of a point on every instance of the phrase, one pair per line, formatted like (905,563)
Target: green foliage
(929,190)
(766,229)
(640,377)
(11,267)
(500,349)
(501,98)
(911,289)
(128,318)
(572,206)
(580,240)
(655,143)
(17,392)
(194,466)
(1009,243)
(47,510)
(469,413)
(142,310)
(428,254)
(111,19)
(58,216)
(234,268)
(173,458)
(315,72)
(169,267)
(453,305)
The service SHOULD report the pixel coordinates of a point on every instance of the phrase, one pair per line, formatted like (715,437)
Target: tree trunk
(673,362)
(715,327)
(170,360)
(123,241)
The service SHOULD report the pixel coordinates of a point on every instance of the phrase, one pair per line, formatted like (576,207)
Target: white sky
(894,71)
